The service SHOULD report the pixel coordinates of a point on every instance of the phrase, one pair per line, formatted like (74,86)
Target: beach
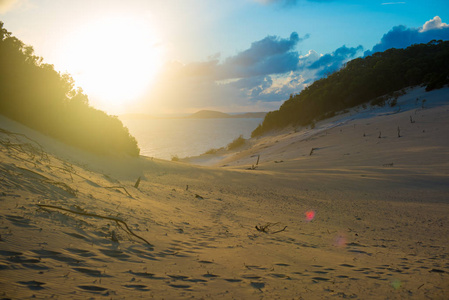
(356,207)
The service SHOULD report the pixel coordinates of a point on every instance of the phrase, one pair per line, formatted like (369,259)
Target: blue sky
(235,55)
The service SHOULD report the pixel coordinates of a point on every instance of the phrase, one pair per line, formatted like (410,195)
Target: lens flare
(396,284)
(340,241)
(310,215)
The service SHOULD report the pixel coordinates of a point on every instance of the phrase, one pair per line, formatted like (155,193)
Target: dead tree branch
(119,221)
(266,228)
(118,187)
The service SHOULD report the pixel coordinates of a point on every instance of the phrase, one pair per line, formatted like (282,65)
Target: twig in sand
(27,148)
(258,157)
(265,228)
(45,179)
(311,151)
(253,167)
(137,183)
(118,187)
(279,230)
(96,216)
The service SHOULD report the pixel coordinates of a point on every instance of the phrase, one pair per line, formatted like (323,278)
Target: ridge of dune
(293,143)
(360,216)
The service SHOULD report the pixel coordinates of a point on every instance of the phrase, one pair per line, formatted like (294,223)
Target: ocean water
(183,137)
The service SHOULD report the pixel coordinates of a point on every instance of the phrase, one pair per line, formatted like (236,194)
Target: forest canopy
(362,80)
(34,94)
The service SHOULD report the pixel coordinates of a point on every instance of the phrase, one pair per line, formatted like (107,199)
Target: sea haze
(183,137)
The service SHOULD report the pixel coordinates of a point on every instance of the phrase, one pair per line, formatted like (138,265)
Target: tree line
(361,80)
(34,94)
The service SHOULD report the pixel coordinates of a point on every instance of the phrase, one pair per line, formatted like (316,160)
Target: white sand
(380,229)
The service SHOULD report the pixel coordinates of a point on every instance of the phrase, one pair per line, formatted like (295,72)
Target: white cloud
(392,3)
(435,23)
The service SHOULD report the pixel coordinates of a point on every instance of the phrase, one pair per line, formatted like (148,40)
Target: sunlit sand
(364,215)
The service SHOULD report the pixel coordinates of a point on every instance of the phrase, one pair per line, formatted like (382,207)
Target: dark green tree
(362,80)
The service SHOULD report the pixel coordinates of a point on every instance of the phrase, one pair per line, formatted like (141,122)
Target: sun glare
(114,60)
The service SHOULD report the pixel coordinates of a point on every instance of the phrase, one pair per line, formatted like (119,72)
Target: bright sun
(114,60)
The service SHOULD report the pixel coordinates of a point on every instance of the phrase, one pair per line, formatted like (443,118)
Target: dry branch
(118,221)
(253,167)
(265,228)
(118,187)
(279,230)
(137,183)
(26,148)
(45,179)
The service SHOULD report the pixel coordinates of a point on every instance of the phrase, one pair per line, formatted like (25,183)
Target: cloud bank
(402,37)
(258,78)
(332,62)
(271,55)
(270,70)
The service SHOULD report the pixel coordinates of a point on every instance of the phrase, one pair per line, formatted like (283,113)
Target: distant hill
(250,115)
(363,81)
(211,114)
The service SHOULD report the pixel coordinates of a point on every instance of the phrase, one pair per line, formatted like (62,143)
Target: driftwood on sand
(265,228)
(118,221)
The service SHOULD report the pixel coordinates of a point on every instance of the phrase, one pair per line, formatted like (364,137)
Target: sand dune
(362,216)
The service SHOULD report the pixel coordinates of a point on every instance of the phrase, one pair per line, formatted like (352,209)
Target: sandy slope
(366,217)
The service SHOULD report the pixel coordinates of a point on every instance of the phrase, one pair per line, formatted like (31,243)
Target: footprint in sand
(92,288)
(257,285)
(20,221)
(251,277)
(81,252)
(146,275)
(91,272)
(205,262)
(139,287)
(9,253)
(316,279)
(115,254)
(282,265)
(58,256)
(233,280)
(178,277)
(279,275)
(180,286)
(23,260)
(76,235)
(208,275)
(33,284)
